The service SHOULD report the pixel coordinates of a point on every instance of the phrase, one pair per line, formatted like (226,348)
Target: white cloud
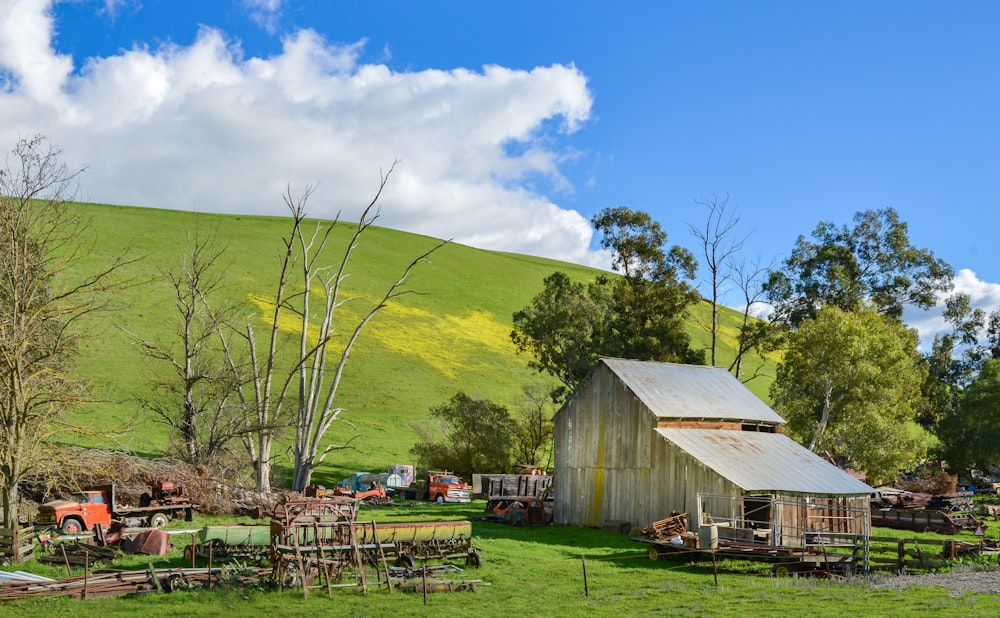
(265,13)
(982,295)
(201,127)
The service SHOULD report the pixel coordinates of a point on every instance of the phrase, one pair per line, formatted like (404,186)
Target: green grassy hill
(453,334)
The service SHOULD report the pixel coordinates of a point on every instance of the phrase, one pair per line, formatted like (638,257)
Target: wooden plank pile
(76,553)
(117,583)
(666,529)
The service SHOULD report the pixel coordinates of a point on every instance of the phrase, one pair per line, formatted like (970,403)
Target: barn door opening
(757,515)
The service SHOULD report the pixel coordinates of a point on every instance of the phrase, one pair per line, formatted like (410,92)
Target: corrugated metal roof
(670,390)
(770,462)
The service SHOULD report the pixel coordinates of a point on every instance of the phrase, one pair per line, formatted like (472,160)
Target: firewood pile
(666,529)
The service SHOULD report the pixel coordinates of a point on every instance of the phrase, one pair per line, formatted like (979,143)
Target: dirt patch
(957,582)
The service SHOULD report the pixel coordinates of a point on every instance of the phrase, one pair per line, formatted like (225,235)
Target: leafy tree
(956,362)
(640,314)
(533,429)
(562,328)
(849,384)
(467,436)
(872,263)
(47,301)
(972,432)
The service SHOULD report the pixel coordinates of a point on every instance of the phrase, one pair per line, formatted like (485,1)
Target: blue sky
(515,122)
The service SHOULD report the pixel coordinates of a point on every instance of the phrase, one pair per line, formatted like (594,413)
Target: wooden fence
(18,546)
(898,554)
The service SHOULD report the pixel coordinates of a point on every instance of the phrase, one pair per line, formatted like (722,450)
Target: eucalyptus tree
(640,314)
(849,383)
(872,264)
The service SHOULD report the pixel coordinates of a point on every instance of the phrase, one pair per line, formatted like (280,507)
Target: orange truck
(84,510)
(438,487)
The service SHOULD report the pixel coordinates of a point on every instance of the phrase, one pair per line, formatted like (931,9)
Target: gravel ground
(957,582)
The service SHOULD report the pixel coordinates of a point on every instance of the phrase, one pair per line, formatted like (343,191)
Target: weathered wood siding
(612,466)
(488,485)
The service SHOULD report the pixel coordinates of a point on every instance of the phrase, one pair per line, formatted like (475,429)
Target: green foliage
(533,429)
(849,383)
(641,315)
(972,433)
(561,328)
(467,436)
(872,263)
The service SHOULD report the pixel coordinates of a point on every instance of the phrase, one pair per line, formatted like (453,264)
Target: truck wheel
(72,526)
(158,520)
(439,499)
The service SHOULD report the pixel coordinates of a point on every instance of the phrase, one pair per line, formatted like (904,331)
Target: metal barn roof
(691,392)
(769,462)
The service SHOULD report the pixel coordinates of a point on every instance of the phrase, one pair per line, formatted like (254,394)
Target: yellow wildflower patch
(447,343)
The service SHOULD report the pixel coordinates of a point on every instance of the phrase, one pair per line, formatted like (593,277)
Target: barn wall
(611,465)
(602,450)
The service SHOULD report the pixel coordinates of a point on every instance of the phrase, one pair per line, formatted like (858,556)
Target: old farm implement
(796,536)
(236,542)
(321,540)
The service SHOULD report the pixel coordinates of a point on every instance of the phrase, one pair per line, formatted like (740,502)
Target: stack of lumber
(666,529)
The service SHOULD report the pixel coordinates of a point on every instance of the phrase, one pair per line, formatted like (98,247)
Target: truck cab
(446,487)
(76,514)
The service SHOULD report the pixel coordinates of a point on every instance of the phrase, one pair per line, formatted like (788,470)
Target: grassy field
(453,334)
(540,571)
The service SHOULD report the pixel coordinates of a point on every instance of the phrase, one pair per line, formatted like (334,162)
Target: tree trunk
(262,467)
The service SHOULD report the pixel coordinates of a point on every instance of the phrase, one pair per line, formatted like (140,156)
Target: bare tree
(718,248)
(45,297)
(267,400)
(755,334)
(201,385)
(317,410)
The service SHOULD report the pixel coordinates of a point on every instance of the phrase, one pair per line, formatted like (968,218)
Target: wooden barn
(641,440)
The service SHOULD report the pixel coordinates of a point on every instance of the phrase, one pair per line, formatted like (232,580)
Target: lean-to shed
(639,440)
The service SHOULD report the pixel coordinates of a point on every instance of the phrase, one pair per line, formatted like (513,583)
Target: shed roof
(677,391)
(769,462)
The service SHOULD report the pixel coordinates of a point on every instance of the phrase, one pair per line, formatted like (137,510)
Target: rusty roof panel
(691,391)
(767,462)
